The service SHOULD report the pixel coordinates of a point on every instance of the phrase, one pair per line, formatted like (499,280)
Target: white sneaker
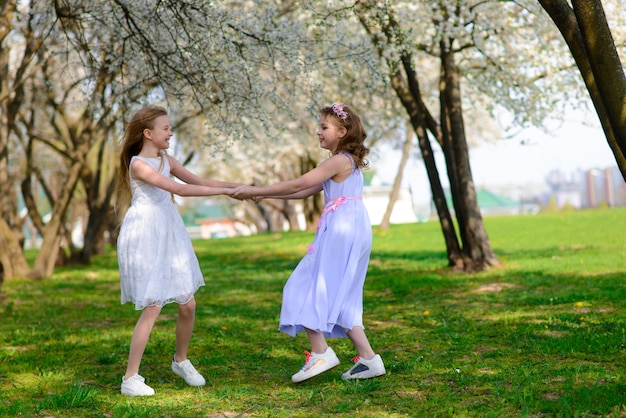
(189,373)
(365,369)
(316,364)
(135,386)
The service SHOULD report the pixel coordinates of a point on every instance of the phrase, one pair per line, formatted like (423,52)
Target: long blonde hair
(132,143)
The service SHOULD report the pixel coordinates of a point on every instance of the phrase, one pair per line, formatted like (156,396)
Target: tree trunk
(12,257)
(264,221)
(312,205)
(281,209)
(589,39)
(12,260)
(97,223)
(276,220)
(397,183)
(290,213)
(7,117)
(98,220)
(408,91)
(52,232)
(605,64)
(411,97)
(477,251)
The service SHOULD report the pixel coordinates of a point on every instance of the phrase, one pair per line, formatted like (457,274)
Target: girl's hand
(244,192)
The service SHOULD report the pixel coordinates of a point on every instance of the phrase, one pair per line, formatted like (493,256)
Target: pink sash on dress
(333,204)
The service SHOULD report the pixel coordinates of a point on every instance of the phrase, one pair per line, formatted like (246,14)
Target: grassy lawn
(543,335)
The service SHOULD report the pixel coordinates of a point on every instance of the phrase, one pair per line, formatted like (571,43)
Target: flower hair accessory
(338,110)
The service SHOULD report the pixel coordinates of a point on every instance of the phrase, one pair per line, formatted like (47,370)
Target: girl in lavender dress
(324,295)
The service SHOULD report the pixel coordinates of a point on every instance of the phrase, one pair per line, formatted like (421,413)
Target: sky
(528,157)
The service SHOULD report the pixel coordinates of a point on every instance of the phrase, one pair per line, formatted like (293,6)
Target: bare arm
(179,171)
(141,170)
(298,195)
(301,187)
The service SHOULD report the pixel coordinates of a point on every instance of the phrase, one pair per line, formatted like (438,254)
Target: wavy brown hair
(131,145)
(354,141)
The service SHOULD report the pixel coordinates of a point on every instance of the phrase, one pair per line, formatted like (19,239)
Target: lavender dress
(325,291)
(157,262)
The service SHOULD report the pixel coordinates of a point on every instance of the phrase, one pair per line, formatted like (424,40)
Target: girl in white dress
(155,256)
(324,295)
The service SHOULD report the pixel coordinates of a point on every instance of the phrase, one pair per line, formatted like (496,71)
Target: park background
(435,80)
(538,298)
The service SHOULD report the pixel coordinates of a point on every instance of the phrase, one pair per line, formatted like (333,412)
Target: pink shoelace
(308,358)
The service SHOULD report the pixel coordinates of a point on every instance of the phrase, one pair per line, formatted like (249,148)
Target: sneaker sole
(137,394)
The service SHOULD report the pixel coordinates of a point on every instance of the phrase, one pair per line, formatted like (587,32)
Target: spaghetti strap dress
(325,291)
(156,259)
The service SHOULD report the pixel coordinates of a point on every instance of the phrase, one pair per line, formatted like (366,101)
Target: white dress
(325,291)
(156,259)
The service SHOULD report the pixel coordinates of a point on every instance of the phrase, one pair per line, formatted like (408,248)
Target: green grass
(543,335)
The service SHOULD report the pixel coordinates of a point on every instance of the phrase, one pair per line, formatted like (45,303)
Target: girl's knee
(151,312)
(188,308)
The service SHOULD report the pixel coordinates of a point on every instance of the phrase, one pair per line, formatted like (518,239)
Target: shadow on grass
(530,338)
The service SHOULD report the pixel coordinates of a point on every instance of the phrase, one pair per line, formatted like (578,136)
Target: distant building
(581,189)
(376,199)
(603,187)
(213,219)
(492,203)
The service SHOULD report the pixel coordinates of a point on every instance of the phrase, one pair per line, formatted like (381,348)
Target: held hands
(246,192)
